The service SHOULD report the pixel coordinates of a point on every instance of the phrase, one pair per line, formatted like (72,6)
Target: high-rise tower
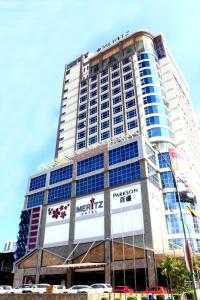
(111,191)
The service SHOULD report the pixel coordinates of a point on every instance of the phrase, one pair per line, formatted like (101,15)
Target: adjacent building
(108,205)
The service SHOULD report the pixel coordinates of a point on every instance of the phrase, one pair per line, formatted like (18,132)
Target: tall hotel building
(107,208)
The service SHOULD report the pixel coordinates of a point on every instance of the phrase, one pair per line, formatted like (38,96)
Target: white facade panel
(57,225)
(89,220)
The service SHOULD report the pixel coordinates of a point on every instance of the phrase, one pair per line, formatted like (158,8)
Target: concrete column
(69,277)
(107,269)
(152,275)
(39,262)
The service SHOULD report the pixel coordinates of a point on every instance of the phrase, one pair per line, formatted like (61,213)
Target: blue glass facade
(90,184)
(61,174)
(35,199)
(167,180)
(60,193)
(154,120)
(90,164)
(37,182)
(123,153)
(164,160)
(124,174)
(158,131)
(22,237)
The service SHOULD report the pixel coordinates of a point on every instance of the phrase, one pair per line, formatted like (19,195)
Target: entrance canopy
(80,265)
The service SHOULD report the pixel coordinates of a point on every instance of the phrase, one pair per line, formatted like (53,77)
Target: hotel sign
(90,205)
(117,39)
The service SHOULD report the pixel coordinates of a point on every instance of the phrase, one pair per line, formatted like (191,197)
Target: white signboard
(57,225)
(89,225)
(126,211)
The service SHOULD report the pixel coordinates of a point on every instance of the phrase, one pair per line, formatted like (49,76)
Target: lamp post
(191,272)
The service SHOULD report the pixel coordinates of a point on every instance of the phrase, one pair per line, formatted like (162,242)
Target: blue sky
(37,39)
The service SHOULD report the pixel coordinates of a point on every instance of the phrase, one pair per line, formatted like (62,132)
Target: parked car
(101,288)
(42,287)
(59,289)
(78,289)
(123,289)
(6,289)
(26,288)
(155,290)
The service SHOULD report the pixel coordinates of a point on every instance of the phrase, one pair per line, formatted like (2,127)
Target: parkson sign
(117,39)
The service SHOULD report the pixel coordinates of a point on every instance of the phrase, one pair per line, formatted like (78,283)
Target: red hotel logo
(59,212)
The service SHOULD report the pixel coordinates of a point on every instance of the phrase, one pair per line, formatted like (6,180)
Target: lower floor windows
(92,140)
(118,130)
(124,174)
(105,135)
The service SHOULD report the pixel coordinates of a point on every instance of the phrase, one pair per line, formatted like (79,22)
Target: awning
(80,265)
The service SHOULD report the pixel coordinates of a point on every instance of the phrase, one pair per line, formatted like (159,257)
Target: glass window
(105,115)
(93,78)
(37,182)
(131,114)
(93,102)
(81,125)
(35,199)
(61,174)
(118,130)
(116,82)
(126,61)
(118,119)
(158,131)
(104,96)
(104,80)
(149,80)
(82,116)
(164,160)
(60,193)
(90,164)
(130,103)
(83,91)
(81,145)
(82,107)
(94,93)
(129,94)
(93,86)
(149,72)
(104,105)
(93,120)
(104,88)
(93,140)
(117,100)
(146,56)
(167,180)
(151,89)
(93,110)
(116,74)
(81,135)
(152,174)
(90,184)
(155,109)
(83,98)
(124,174)
(105,135)
(128,76)
(116,91)
(92,130)
(154,99)
(144,64)
(132,124)
(157,120)
(128,85)
(117,109)
(104,72)
(83,83)
(114,67)
(151,154)
(123,153)
(105,124)
(127,68)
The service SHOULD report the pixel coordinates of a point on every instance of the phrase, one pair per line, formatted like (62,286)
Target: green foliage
(104,298)
(144,297)
(118,298)
(175,270)
(177,297)
(160,297)
(132,298)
